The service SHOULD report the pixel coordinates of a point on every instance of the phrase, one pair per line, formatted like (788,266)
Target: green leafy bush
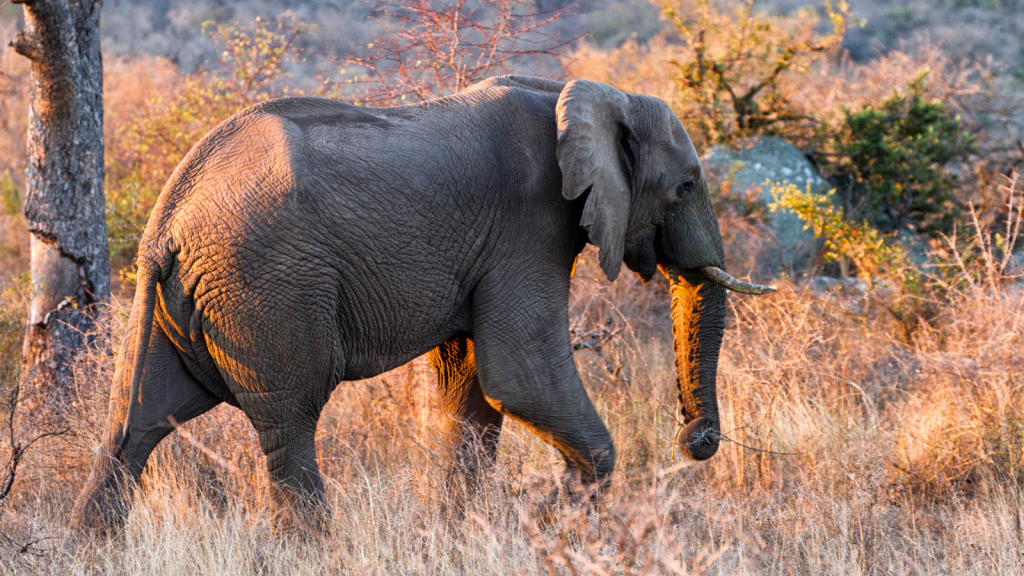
(13,313)
(872,254)
(10,199)
(895,157)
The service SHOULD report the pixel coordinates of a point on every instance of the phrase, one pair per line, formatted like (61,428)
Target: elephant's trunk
(698,321)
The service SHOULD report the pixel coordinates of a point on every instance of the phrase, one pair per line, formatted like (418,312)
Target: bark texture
(64,200)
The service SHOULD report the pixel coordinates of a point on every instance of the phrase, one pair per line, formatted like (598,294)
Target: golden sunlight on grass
(877,432)
(905,460)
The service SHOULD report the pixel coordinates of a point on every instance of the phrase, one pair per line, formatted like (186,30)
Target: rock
(916,246)
(772,159)
(823,286)
(1016,264)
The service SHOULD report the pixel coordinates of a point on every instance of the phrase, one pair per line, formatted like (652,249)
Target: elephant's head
(648,206)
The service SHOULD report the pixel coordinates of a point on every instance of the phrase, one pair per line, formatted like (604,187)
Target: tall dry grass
(863,443)
(906,452)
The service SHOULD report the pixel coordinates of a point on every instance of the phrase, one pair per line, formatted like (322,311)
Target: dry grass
(910,460)
(907,438)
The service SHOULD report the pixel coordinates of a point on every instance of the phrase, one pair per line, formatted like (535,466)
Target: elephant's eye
(685,189)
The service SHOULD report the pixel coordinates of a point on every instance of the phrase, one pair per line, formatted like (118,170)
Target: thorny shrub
(16,438)
(428,49)
(731,65)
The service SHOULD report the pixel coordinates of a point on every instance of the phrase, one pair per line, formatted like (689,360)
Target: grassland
(872,432)
(904,454)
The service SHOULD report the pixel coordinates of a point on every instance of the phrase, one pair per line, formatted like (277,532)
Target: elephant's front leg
(470,425)
(526,370)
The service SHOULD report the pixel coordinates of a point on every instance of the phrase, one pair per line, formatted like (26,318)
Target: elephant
(305,241)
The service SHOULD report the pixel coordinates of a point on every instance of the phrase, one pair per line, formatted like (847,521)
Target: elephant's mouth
(718,276)
(698,440)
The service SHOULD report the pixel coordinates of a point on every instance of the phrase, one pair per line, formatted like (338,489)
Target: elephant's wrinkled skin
(304,242)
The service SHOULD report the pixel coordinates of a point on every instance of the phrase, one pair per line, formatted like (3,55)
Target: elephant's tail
(145,304)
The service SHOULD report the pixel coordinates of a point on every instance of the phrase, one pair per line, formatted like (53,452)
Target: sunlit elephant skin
(305,242)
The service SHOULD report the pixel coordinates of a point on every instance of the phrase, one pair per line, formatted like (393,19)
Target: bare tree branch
(16,450)
(429,48)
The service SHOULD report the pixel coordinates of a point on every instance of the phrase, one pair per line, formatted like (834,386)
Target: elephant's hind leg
(284,408)
(297,486)
(470,425)
(168,393)
(283,393)
(281,358)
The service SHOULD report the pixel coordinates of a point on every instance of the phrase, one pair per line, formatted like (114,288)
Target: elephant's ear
(593,120)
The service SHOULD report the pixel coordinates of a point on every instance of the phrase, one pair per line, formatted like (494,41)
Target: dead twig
(429,49)
(16,450)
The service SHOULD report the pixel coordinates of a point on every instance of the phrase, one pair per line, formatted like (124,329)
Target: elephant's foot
(305,515)
(103,504)
(461,483)
(572,492)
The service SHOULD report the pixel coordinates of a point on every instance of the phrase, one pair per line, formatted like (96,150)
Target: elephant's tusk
(718,276)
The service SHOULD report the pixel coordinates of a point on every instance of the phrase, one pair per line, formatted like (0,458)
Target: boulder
(790,248)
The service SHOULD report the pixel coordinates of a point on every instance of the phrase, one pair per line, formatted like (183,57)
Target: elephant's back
(236,184)
(246,171)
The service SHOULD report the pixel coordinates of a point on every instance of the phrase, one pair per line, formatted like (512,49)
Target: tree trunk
(64,201)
